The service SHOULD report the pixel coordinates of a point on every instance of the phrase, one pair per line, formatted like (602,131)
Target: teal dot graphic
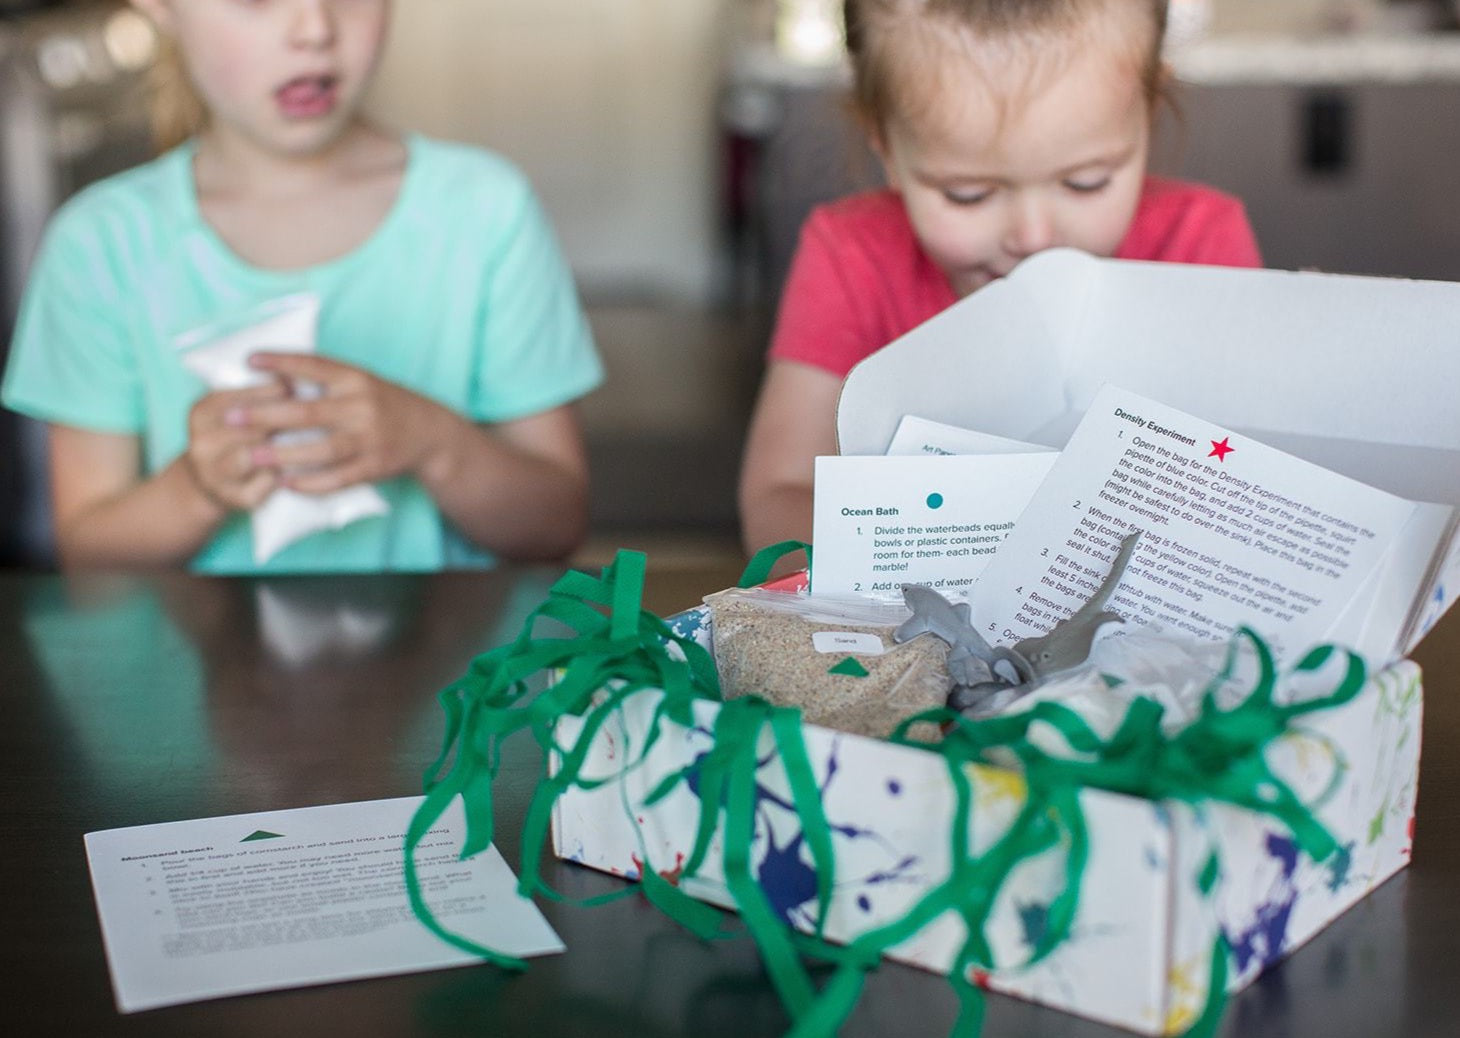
(935,500)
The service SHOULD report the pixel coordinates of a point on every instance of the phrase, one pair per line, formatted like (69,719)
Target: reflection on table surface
(130,700)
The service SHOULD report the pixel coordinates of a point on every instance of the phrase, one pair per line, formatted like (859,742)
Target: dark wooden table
(125,701)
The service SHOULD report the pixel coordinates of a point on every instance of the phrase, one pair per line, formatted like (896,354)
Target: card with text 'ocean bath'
(881,522)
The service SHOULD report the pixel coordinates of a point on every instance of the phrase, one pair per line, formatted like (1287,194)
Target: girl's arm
(107,513)
(517,488)
(794,421)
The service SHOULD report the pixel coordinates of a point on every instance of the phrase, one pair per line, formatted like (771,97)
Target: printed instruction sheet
(881,522)
(223,906)
(1233,532)
(920,436)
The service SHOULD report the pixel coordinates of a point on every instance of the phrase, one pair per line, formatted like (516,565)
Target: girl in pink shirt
(1003,129)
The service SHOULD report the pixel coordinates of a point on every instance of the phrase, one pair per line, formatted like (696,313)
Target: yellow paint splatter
(996,785)
(1187,983)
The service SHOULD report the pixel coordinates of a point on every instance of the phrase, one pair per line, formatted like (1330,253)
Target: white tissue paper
(1174,669)
(284,325)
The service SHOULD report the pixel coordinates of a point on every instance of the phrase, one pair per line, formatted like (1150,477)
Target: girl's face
(285,75)
(1002,162)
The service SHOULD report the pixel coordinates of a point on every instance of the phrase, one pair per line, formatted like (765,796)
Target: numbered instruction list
(881,522)
(1232,532)
(222,906)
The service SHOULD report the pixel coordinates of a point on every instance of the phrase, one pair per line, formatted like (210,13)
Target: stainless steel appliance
(72,110)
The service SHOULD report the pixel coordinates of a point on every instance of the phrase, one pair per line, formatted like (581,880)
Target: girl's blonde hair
(176,110)
(881,69)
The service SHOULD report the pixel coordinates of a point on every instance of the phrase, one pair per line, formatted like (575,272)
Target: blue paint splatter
(1264,940)
(1035,920)
(864,902)
(894,787)
(1340,865)
(788,879)
(1285,850)
(892,875)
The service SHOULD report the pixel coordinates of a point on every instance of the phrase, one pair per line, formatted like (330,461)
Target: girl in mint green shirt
(450,343)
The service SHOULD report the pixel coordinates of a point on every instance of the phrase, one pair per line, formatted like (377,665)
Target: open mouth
(307,96)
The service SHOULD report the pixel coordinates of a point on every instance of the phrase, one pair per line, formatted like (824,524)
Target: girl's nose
(1030,226)
(313,23)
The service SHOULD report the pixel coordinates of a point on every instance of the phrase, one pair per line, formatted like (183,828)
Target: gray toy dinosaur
(980,685)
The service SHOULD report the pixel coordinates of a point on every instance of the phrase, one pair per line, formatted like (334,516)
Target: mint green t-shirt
(460,294)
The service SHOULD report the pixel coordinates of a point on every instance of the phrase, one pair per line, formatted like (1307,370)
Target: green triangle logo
(850,667)
(261,834)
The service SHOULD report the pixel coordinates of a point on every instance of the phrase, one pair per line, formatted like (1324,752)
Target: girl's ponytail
(177,112)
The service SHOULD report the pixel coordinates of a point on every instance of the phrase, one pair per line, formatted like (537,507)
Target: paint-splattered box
(1138,955)
(1308,363)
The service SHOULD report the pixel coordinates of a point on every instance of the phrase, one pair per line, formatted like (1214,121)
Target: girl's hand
(362,428)
(227,455)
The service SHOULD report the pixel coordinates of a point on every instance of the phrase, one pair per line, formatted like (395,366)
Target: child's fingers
(330,479)
(314,452)
(306,367)
(288,416)
(231,471)
(253,490)
(231,407)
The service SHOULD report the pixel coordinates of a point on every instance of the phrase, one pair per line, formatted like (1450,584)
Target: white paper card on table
(880,522)
(920,436)
(1235,532)
(213,907)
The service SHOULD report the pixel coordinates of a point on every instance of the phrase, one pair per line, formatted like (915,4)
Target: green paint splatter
(1376,824)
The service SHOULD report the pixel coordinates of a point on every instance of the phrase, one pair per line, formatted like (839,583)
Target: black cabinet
(1355,178)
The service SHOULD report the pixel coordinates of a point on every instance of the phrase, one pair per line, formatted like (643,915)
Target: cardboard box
(1356,374)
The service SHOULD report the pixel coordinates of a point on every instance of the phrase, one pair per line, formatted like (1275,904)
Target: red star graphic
(1220,449)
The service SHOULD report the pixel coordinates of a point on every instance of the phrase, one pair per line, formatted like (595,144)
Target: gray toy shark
(988,678)
(1067,644)
(970,658)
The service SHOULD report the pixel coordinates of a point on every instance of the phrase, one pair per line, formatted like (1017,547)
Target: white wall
(607,104)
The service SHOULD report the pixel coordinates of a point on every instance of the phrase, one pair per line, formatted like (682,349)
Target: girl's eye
(967,196)
(1088,185)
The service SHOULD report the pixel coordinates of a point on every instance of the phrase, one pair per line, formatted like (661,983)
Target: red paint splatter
(672,876)
(980,978)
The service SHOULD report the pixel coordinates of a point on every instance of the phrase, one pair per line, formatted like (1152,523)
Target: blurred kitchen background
(677,145)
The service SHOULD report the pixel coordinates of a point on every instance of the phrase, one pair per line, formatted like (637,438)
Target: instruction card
(223,906)
(881,522)
(916,435)
(1233,532)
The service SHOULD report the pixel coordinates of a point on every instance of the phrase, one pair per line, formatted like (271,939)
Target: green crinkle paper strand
(616,649)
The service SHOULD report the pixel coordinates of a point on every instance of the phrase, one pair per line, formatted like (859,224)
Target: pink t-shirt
(859,278)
